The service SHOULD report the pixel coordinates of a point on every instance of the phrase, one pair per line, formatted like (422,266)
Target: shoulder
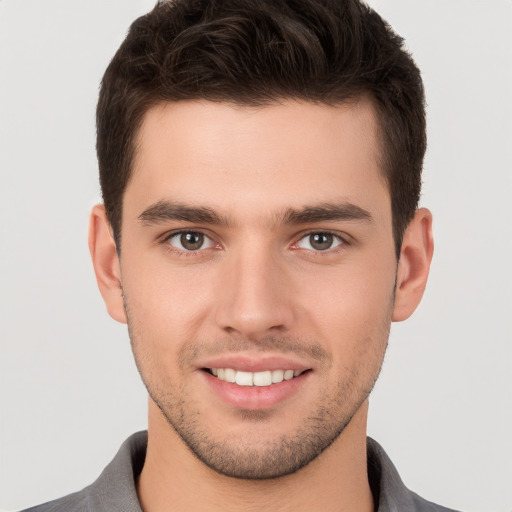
(76,502)
(114,489)
(388,488)
(422,505)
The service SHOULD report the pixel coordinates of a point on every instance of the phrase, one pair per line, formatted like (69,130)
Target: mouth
(251,383)
(261,379)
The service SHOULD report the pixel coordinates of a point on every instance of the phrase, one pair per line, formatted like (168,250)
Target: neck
(174,479)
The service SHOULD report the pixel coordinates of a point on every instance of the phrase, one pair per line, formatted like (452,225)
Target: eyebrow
(326,212)
(164,211)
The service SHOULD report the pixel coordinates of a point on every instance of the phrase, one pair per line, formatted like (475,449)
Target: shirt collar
(115,489)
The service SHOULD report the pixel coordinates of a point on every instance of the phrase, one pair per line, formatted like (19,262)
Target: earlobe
(106,263)
(414,264)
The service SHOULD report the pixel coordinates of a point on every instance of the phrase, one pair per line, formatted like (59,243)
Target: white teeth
(277,376)
(265,378)
(243,378)
(229,375)
(262,378)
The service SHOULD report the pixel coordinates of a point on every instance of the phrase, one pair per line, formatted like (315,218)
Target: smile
(263,378)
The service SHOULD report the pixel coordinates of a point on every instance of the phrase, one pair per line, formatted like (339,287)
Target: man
(260,164)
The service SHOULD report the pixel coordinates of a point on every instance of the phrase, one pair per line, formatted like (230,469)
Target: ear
(414,265)
(106,263)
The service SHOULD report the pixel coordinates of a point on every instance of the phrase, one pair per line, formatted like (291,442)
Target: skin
(258,290)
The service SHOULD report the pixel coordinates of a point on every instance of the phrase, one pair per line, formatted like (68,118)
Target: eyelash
(343,239)
(165,240)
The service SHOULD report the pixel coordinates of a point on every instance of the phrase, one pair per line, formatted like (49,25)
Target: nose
(255,296)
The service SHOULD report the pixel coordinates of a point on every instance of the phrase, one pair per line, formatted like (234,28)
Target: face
(258,273)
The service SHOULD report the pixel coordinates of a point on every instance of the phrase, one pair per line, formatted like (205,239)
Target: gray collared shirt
(114,490)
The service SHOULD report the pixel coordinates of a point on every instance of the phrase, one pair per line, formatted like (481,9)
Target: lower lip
(255,398)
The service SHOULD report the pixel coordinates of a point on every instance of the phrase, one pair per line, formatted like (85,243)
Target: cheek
(164,304)
(349,310)
(349,294)
(155,324)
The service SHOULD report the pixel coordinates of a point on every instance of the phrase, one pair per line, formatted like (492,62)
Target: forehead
(282,155)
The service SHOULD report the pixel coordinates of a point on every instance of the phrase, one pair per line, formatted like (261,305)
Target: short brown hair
(256,52)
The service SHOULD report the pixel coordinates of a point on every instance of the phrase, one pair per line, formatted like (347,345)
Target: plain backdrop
(70,393)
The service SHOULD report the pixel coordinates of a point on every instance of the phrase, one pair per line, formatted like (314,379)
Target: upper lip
(255,363)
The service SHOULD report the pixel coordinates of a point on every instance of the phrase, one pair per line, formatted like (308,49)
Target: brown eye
(319,241)
(190,241)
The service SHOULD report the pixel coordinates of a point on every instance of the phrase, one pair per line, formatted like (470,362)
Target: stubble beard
(264,460)
(271,458)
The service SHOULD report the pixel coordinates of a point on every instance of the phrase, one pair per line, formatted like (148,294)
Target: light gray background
(70,393)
